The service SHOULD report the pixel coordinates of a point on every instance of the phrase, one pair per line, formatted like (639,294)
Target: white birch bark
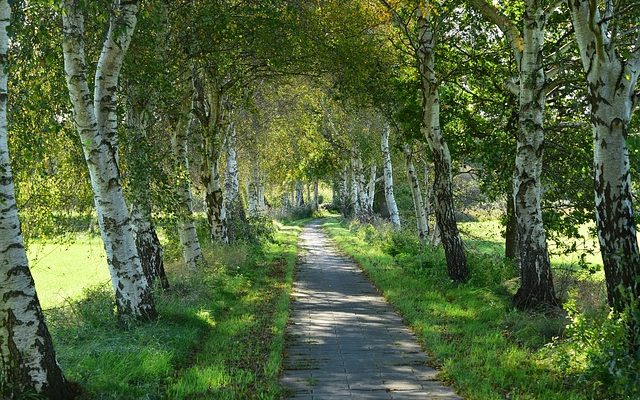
(343,192)
(191,251)
(315,195)
(536,284)
(414,183)
(612,83)
(299,195)
(234,210)
(208,107)
(149,248)
(96,121)
(255,191)
(445,213)
(371,188)
(27,357)
(387,166)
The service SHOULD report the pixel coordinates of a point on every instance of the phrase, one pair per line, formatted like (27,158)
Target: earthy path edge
(344,341)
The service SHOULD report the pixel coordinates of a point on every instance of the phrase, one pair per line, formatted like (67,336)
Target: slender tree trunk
(343,185)
(612,83)
(371,191)
(428,199)
(255,194)
(360,199)
(214,202)
(235,215)
(387,167)
(315,195)
(354,194)
(96,121)
(416,195)
(208,107)
(148,244)
(191,251)
(511,234)
(536,284)
(299,199)
(140,167)
(445,213)
(27,357)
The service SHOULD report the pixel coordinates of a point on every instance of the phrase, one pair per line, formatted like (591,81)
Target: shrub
(596,350)
(402,242)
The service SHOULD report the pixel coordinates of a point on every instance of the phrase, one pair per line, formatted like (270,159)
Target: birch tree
(95,118)
(536,283)
(209,109)
(140,159)
(235,215)
(394,215)
(27,357)
(424,49)
(609,43)
(191,250)
(416,194)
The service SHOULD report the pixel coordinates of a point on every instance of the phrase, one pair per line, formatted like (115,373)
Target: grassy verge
(219,335)
(484,347)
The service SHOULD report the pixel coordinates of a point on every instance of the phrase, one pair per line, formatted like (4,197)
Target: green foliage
(596,352)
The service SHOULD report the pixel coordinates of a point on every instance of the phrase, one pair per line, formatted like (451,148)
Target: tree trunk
(511,234)
(148,245)
(235,216)
(299,199)
(191,251)
(315,195)
(343,185)
(96,121)
(208,107)
(416,195)
(387,167)
(362,211)
(445,213)
(371,188)
(255,194)
(611,81)
(428,198)
(214,202)
(140,166)
(536,284)
(27,357)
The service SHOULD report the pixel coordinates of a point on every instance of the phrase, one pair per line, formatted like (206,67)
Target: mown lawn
(219,335)
(485,348)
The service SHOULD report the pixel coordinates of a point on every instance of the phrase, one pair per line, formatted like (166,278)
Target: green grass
(484,347)
(220,333)
(62,271)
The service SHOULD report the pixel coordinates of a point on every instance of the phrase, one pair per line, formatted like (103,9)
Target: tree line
(238,107)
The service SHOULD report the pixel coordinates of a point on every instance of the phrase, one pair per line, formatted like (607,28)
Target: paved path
(344,341)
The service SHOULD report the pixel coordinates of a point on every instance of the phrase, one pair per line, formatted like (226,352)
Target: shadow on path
(344,341)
